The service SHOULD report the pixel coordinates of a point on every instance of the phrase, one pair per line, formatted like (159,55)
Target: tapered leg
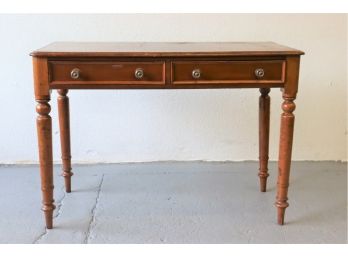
(285,148)
(64,126)
(44,131)
(264,113)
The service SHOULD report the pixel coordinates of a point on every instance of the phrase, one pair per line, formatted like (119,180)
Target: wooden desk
(262,65)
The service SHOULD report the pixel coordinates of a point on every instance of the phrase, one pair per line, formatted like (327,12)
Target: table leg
(285,148)
(44,131)
(64,126)
(264,113)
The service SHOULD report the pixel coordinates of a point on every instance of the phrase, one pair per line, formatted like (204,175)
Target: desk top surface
(168,49)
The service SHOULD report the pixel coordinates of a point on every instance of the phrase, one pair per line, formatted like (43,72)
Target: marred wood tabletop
(170,49)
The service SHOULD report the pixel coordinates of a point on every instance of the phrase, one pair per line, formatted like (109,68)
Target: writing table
(71,65)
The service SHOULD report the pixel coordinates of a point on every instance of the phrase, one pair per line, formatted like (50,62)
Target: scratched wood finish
(168,66)
(64,128)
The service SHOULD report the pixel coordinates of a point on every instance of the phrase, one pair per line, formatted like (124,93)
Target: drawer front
(117,73)
(227,72)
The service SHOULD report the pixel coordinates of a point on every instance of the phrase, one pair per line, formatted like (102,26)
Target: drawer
(227,72)
(106,72)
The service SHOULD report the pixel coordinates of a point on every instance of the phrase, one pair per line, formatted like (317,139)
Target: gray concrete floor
(176,202)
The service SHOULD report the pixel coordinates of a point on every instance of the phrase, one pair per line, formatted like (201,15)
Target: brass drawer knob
(259,73)
(139,73)
(75,73)
(196,73)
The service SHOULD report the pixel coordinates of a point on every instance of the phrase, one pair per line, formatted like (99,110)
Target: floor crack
(93,218)
(59,205)
(36,240)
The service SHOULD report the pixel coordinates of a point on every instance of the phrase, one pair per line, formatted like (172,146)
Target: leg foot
(281,214)
(263,184)
(49,218)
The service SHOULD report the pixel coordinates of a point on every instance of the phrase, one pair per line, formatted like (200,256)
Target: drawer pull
(75,73)
(139,73)
(259,73)
(196,73)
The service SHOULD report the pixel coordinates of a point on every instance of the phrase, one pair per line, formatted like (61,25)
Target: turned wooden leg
(44,131)
(64,127)
(264,110)
(285,147)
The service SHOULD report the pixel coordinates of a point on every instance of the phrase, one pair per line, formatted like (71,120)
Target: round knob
(75,73)
(139,73)
(196,73)
(259,73)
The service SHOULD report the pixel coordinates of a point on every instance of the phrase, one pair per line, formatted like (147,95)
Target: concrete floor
(176,202)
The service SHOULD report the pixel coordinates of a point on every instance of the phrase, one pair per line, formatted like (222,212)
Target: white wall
(128,126)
